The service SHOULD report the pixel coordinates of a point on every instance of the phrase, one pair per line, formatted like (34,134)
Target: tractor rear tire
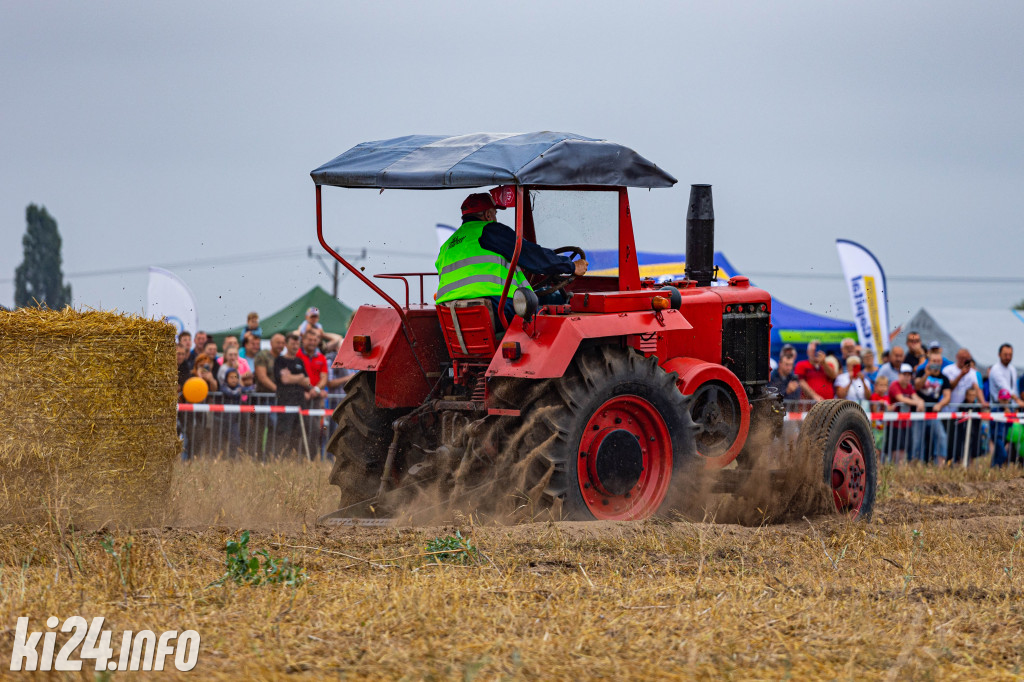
(836,434)
(360,443)
(612,439)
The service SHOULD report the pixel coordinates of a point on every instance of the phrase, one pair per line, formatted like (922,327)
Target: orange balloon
(195,390)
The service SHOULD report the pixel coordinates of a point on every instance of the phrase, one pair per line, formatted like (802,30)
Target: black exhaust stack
(700,236)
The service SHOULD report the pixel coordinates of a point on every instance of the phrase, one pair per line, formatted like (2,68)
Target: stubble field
(931,588)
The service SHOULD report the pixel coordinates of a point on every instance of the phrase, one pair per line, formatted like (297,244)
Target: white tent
(981,331)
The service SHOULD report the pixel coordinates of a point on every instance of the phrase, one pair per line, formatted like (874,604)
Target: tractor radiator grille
(745,346)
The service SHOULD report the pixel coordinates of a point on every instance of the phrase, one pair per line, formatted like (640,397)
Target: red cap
(478,203)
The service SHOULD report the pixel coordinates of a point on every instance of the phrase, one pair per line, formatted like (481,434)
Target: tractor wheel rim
(625,441)
(716,411)
(849,479)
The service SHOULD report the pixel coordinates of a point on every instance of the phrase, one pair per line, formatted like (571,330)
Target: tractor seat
(468,327)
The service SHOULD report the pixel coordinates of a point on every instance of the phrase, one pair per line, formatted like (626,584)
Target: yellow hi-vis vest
(469,271)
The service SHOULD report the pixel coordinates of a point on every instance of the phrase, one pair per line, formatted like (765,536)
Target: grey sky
(157,133)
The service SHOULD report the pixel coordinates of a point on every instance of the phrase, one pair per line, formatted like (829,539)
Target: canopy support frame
(406,327)
(515,257)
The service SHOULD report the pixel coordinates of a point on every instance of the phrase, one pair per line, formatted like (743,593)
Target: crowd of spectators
(915,379)
(294,369)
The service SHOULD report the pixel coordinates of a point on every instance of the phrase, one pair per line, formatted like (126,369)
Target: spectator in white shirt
(1003,377)
(962,378)
(851,384)
(312,321)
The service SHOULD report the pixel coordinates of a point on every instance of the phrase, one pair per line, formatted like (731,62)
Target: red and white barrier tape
(257,409)
(1003,417)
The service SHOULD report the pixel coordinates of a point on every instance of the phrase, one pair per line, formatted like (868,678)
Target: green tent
(334,316)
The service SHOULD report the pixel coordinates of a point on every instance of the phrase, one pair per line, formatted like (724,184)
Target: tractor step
(339,518)
(347,521)
(730,480)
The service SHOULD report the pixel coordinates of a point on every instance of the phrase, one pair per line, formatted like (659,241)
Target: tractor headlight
(675,299)
(525,303)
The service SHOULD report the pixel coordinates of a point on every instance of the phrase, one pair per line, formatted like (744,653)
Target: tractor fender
(692,374)
(382,325)
(405,374)
(548,343)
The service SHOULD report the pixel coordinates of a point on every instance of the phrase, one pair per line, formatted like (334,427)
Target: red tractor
(608,406)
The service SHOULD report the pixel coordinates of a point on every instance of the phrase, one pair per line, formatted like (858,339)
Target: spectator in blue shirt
(783,379)
(252,325)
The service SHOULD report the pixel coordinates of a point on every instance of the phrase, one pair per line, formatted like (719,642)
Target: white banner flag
(443,232)
(866,280)
(170,298)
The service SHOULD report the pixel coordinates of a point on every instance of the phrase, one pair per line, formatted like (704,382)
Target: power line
(924,279)
(304,253)
(227,260)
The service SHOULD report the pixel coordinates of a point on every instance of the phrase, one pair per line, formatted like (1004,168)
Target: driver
(474,261)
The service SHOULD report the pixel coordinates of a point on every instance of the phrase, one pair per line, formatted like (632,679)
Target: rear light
(361,344)
(660,303)
(510,350)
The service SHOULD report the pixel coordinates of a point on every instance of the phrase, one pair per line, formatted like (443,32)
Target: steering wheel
(549,284)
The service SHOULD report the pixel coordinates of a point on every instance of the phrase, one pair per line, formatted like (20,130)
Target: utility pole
(335,271)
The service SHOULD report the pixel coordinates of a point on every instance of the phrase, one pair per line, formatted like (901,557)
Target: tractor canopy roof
(482,159)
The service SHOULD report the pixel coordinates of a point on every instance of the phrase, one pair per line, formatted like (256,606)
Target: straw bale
(87,416)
